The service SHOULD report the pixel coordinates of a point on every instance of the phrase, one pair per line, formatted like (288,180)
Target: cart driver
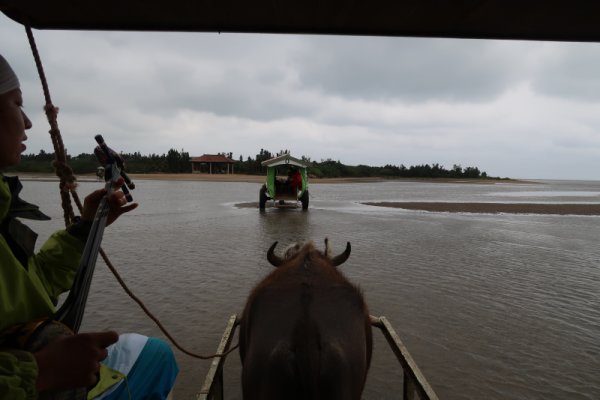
(294,179)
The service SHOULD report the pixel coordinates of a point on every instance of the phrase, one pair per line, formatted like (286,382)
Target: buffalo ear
(274,259)
(341,258)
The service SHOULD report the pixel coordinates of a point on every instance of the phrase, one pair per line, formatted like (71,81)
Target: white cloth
(122,355)
(8,78)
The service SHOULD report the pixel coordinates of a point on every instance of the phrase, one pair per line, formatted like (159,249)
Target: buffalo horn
(274,259)
(341,258)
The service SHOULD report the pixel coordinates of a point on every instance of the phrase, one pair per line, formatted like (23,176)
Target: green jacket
(30,292)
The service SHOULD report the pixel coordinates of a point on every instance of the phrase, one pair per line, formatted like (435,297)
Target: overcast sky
(513,109)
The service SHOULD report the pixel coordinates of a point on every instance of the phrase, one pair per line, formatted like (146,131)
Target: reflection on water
(490,306)
(286,225)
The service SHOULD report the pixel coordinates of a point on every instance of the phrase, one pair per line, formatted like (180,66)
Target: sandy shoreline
(495,208)
(261,178)
(312,181)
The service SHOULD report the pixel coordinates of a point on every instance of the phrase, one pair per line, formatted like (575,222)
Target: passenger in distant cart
(294,180)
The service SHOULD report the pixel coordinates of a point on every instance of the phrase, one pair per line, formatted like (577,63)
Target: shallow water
(490,306)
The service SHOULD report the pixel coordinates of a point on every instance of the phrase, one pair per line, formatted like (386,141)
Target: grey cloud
(406,69)
(581,144)
(570,71)
(228,76)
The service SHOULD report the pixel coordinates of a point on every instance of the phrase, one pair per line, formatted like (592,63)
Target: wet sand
(486,208)
(495,208)
(192,177)
(312,181)
(481,208)
(261,178)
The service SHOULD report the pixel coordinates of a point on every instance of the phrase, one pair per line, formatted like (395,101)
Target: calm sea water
(490,306)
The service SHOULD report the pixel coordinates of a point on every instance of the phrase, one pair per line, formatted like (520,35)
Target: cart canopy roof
(561,20)
(284,159)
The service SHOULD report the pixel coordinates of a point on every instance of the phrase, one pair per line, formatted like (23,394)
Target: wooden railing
(212,389)
(414,382)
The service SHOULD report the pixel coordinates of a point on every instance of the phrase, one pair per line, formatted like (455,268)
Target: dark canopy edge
(552,20)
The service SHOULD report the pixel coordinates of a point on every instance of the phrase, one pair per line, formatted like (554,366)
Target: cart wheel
(262,198)
(304,200)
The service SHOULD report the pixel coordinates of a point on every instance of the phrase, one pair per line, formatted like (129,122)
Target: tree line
(175,161)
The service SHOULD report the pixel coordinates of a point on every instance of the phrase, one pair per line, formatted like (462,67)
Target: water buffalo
(305,331)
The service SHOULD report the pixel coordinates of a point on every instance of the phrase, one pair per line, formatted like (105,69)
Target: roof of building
(213,158)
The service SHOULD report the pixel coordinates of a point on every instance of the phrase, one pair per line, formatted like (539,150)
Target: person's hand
(72,362)
(116,201)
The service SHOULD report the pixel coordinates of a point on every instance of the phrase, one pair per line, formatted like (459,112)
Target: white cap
(8,78)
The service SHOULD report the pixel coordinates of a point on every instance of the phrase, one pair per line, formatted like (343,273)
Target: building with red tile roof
(212,164)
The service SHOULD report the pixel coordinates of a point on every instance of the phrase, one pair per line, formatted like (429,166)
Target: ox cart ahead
(414,383)
(284,190)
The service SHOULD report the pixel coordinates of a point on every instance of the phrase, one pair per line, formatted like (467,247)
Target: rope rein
(68,184)
(63,171)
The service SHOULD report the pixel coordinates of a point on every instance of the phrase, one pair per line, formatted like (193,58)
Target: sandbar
(495,208)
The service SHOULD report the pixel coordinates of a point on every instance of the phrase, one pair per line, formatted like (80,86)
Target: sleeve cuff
(80,229)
